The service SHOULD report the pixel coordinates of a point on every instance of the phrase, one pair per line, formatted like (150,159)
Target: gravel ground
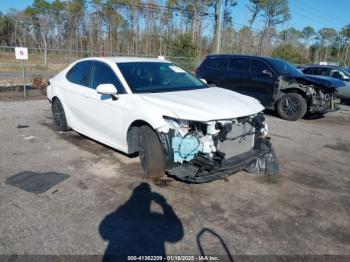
(107,204)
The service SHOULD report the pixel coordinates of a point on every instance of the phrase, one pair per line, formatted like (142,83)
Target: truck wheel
(291,107)
(59,115)
(151,153)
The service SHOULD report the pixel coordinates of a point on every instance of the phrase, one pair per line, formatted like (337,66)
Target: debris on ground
(22,126)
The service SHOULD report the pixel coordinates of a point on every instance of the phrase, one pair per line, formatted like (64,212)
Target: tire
(59,116)
(291,107)
(151,153)
(212,85)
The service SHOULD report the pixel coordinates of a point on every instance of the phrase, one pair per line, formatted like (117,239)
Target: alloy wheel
(290,106)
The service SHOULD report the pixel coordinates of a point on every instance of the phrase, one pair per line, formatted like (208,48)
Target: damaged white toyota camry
(174,121)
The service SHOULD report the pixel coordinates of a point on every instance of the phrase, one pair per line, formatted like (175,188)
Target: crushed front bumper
(261,159)
(325,104)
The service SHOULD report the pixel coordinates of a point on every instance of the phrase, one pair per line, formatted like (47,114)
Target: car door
(262,81)
(236,75)
(73,91)
(105,113)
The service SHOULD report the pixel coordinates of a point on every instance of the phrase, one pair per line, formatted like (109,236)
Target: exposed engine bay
(202,151)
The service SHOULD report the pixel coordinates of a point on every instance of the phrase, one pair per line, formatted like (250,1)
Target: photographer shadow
(134,230)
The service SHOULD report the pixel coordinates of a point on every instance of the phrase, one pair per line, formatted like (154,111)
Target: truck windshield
(285,68)
(156,77)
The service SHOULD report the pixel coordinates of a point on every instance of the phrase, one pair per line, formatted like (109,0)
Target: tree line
(180,28)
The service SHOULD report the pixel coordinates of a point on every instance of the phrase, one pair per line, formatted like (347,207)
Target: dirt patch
(338,233)
(342,147)
(274,180)
(163,182)
(314,180)
(280,136)
(82,185)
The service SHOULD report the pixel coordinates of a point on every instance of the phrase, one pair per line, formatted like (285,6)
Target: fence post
(24,81)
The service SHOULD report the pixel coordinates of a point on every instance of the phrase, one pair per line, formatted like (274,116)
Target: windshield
(154,77)
(285,68)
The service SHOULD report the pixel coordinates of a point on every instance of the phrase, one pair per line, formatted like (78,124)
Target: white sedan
(174,121)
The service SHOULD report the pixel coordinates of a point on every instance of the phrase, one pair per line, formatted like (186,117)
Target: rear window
(80,73)
(217,62)
(239,64)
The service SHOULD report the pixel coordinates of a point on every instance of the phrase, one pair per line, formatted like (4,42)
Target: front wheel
(291,107)
(151,153)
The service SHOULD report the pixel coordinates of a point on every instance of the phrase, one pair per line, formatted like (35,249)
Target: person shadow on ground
(134,230)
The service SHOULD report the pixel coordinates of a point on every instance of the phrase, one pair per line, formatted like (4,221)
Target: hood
(326,80)
(205,104)
(320,81)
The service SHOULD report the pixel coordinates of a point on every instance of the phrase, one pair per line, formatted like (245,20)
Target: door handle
(87,95)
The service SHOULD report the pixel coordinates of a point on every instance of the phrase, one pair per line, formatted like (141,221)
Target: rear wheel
(59,115)
(151,153)
(291,106)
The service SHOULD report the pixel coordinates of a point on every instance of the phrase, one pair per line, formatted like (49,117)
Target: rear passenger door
(214,70)
(262,81)
(236,75)
(78,81)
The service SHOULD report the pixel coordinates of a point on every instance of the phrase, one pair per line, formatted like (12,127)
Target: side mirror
(106,89)
(204,81)
(267,72)
(346,78)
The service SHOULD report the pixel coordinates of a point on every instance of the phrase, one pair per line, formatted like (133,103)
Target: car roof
(325,66)
(237,55)
(268,58)
(125,59)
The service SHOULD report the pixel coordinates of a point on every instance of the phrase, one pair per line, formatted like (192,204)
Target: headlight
(180,125)
(310,91)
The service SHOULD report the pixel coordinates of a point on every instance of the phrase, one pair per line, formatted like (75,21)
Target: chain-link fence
(43,64)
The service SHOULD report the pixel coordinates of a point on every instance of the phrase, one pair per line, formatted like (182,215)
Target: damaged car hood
(321,81)
(205,104)
(326,80)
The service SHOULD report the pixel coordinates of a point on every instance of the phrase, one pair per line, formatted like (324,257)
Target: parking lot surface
(106,204)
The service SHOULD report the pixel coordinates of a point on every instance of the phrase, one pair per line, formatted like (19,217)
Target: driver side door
(262,81)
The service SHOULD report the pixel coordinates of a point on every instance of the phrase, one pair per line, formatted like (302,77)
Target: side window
(308,71)
(217,63)
(103,74)
(335,73)
(259,66)
(80,73)
(239,64)
(323,71)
